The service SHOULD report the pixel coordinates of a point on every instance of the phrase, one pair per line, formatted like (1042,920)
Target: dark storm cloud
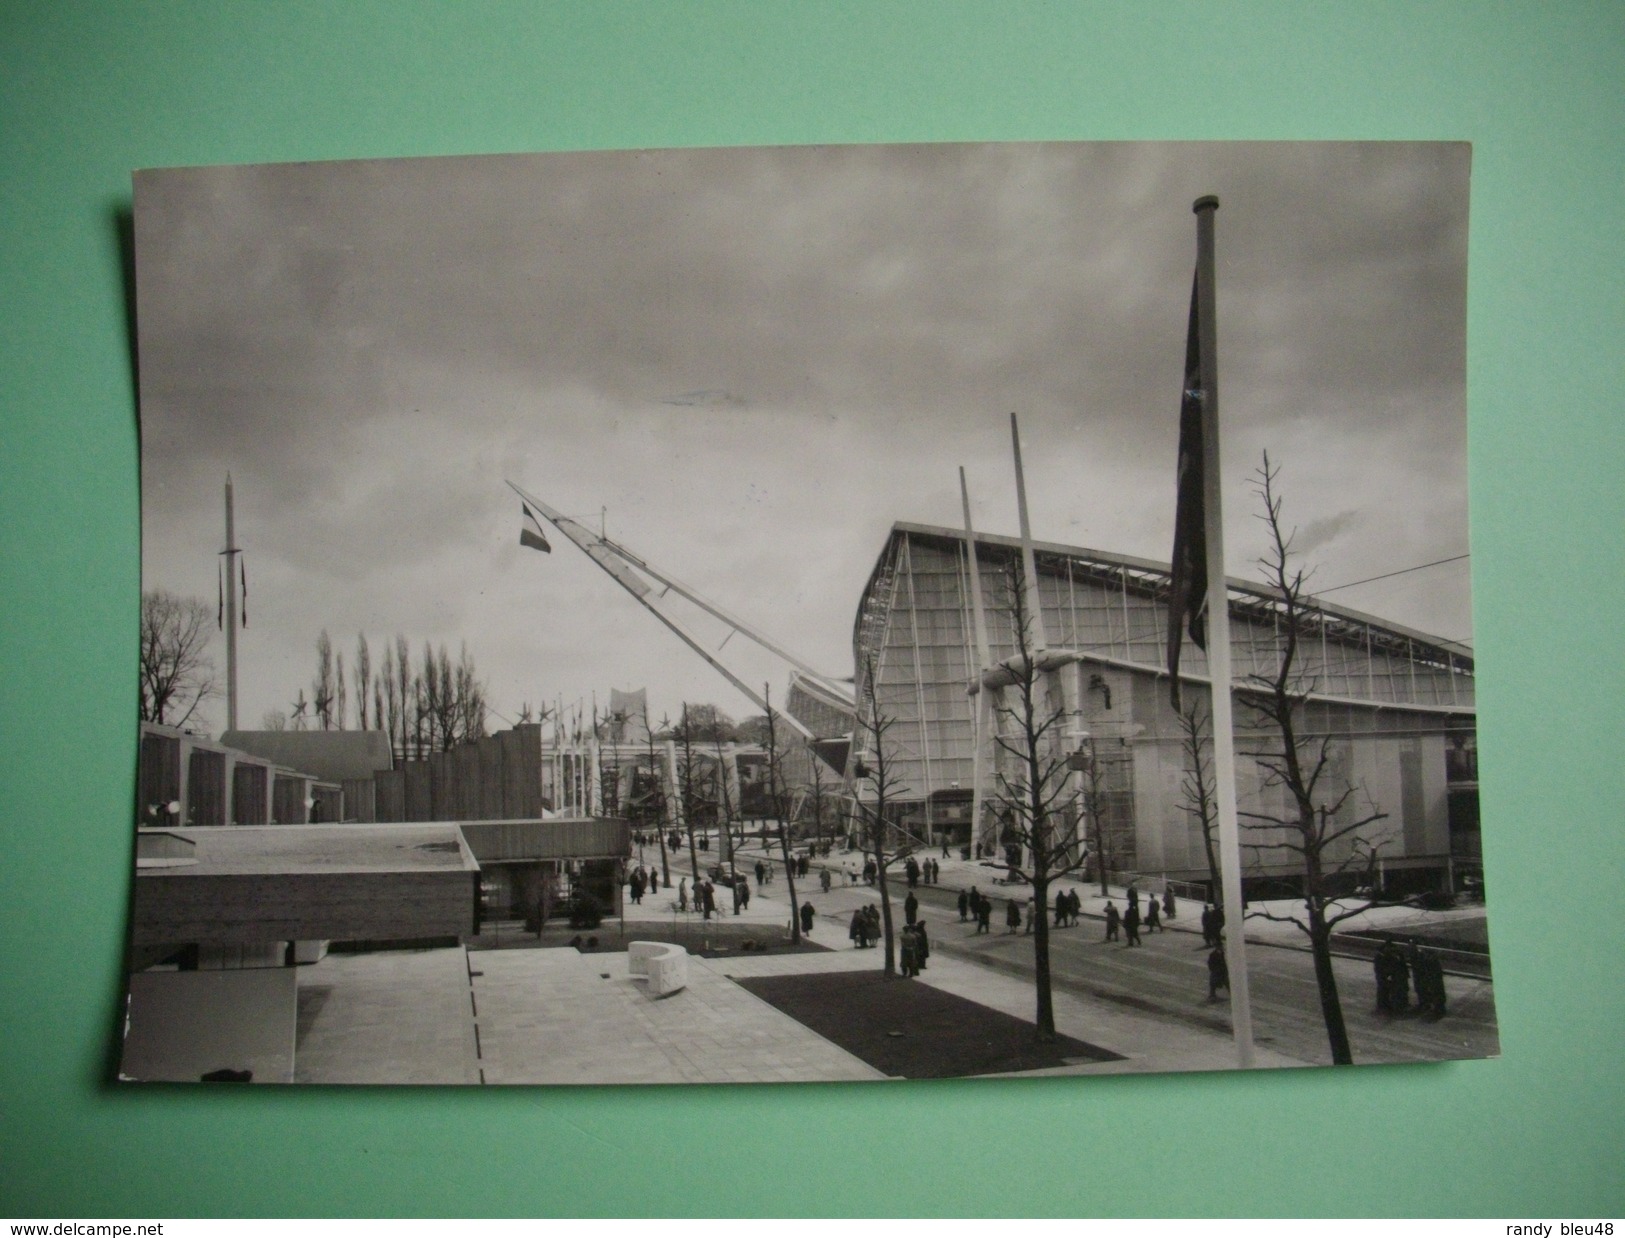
(717,340)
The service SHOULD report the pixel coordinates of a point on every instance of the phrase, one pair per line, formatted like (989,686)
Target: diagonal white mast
(619,566)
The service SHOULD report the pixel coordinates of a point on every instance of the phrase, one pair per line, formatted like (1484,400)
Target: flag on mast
(1187,588)
(220,614)
(242,565)
(530,533)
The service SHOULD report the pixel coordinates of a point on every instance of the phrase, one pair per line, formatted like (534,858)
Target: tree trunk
(790,882)
(1044,1019)
(1331,1008)
(885,910)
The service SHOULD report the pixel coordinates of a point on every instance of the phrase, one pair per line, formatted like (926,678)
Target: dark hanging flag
(1187,590)
(220,615)
(243,565)
(530,532)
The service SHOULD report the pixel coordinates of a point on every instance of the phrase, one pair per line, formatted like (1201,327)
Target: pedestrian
(1131,926)
(1074,906)
(1429,971)
(858,930)
(1133,897)
(984,915)
(708,898)
(911,908)
(1218,973)
(1028,919)
(1207,925)
(823,880)
(807,914)
(872,918)
(743,887)
(1111,920)
(738,901)
(1153,916)
(910,942)
(1382,965)
(924,948)
(911,870)
(964,906)
(1060,909)
(654,880)
(760,877)
(936,873)
(1168,902)
(868,872)
(682,894)
(1012,917)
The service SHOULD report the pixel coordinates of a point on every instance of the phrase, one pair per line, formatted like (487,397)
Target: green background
(89,92)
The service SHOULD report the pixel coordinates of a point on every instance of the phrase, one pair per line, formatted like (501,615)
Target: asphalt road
(1167,975)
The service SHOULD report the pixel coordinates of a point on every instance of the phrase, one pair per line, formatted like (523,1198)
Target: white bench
(665,965)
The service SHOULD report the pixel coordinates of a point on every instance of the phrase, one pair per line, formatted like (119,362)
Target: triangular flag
(530,533)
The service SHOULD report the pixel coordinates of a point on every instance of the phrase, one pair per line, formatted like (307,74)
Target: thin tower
(230,554)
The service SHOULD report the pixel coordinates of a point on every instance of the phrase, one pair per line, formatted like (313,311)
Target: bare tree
(775,799)
(875,766)
(363,682)
(1197,793)
(176,674)
(274,720)
(1034,789)
(726,816)
(688,785)
(817,787)
(341,693)
(1320,826)
(321,688)
(652,804)
(469,694)
(404,695)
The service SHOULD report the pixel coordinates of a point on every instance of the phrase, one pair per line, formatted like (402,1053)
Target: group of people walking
(1398,971)
(974,905)
(930,872)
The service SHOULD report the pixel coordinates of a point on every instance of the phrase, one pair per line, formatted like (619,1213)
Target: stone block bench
(665,965)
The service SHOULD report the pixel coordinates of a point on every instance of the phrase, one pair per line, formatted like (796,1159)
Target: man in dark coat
(807,914)
(1131,925)
(911,870)
(743,887)
(923,950)
(1207,925)
(1382,964)
(1153,917)
(759,873)
(911,908)
(1111,921)
(1168,902)
(1074,906)
(1060,909)
(984,914)
(964,906)
(1218,973)
(1012,917)
(910,953)
(858,930)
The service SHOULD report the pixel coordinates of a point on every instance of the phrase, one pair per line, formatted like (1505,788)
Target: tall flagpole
(230,555)
(981,711)
(1218,638)
(1035,608)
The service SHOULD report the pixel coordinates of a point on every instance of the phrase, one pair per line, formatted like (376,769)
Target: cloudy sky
(750,362)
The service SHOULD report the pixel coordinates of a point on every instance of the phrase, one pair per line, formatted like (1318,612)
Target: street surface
(1167,975)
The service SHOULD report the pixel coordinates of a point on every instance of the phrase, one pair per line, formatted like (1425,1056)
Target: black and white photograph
(754,615)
